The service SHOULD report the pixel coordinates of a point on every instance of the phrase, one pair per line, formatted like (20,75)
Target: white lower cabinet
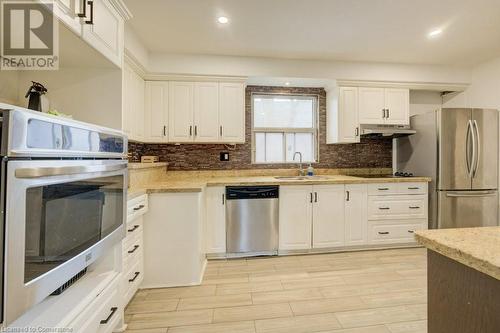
(295,221)
(328,216)
(355,214)
(215,215)
(132,248)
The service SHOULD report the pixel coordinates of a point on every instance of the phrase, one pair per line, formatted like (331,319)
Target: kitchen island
(463,279)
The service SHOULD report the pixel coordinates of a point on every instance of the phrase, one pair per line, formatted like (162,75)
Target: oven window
(62,220)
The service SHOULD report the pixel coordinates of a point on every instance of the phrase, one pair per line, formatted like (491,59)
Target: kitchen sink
(299,177)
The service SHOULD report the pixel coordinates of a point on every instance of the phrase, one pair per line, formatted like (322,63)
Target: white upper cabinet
(180,111)
(67,11)
(206,112)
(232,112)
(384,106)
(371,105)
(348,126)
(397,104)
(328,216)
(133,104)
(156,128)
(356,197)
(104,30)
(295,217)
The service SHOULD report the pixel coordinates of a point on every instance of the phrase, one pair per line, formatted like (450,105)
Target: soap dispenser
(310,170)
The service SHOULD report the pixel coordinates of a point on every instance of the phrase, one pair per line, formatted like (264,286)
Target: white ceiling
(352,30)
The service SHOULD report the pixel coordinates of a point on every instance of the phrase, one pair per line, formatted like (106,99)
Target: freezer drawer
(462,209)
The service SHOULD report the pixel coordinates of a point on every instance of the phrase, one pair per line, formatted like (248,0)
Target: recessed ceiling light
(287,83)
(222,20)
(435,33)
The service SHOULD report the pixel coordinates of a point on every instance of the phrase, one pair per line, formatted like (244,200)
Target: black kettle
(34,93)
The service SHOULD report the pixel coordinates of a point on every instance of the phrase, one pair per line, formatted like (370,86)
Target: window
(283,125)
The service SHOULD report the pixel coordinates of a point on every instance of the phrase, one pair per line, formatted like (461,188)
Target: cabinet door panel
(107,31)
(156,111)
(348,115)
(206,112)
(371,105)
(232,112)
(215,220)
(127,116)
(397,101)
(328,216)
(295,217)
(356,214)
(180,111)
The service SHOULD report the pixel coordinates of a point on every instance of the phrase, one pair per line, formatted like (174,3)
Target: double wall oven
(63,196)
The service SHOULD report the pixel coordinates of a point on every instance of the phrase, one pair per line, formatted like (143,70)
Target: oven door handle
(67,170)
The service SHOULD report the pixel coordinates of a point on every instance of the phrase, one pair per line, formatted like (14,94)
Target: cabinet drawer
(397,207)
(102,315)
(134,229)
(383,189)
(137,207)
(413,188)
(132,280)
(383,233)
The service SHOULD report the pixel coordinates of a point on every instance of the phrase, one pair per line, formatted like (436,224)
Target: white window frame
(314,131)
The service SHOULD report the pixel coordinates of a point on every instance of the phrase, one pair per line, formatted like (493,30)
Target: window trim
(285,130)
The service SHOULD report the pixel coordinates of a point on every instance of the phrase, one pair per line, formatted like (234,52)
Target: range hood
(386,131)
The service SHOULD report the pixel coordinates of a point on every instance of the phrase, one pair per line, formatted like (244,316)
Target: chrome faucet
(301,171)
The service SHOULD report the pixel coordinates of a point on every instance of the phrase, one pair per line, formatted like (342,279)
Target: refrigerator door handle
(468,162)
(471,194)
(477,148)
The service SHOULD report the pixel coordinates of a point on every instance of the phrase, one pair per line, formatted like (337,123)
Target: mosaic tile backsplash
(370,153)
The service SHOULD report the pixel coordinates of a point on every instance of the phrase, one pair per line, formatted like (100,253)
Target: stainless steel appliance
(458,148)
(63,188)
(252,220)
(386,131)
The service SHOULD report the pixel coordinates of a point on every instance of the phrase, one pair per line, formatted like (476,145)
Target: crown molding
(132,61)
(429,86)
(191,77)
(122,9)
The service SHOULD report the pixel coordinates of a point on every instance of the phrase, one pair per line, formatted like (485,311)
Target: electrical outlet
(224,156)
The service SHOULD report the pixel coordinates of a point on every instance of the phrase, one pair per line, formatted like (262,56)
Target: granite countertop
(198,184)
(478,248)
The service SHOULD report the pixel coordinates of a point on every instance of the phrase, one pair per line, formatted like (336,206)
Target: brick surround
(370,153)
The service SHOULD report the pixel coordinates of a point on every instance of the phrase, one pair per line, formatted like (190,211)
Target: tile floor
(358,292)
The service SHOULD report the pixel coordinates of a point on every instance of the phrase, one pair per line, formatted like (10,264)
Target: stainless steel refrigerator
(458,148)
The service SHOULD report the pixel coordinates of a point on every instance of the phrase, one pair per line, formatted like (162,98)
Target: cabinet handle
(164,130)
(223,198)
(414,207)
(383,232)
(384,208)
(315,196)
(311,197)
(191,130)
(356,132)
(195,130)
(383,113)
(133,229)
(84,9)
(388,113)
(413,188)
(136,274)
(411,231)
(220,130)
(91,21)
(383,189)
(134,249)
(105,321)
(348,196)
(138,207)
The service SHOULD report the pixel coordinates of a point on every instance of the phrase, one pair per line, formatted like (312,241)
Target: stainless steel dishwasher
(252,220)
